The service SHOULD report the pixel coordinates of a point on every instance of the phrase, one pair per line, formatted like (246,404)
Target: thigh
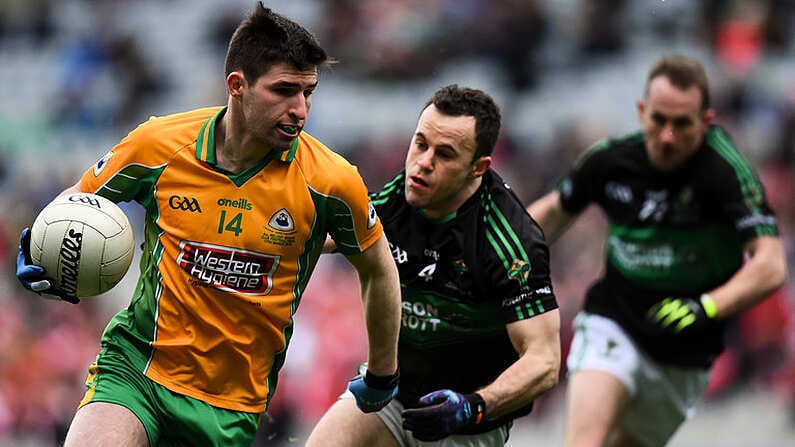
(103,424)
(114,380)
(344,425)
(603,366)
(594,402)
(494,438)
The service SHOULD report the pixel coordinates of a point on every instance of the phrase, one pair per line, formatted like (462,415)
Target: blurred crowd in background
(77,75)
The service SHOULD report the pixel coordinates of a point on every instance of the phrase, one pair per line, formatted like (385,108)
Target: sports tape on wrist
(709,305)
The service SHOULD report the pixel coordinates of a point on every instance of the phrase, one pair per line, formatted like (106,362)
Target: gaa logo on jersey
(228,269)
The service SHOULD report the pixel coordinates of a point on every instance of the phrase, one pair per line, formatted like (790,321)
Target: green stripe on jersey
(307,260)
(502,236)
(750,186)
(132,182)
(394,185)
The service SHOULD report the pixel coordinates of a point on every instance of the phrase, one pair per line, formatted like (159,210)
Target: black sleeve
(737,189)
(577,189)
(519,270)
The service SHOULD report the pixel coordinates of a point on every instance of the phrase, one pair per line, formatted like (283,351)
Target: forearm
(761,275)
(519,385)
(381,299)
(550,215)
(537,340)
(380,287)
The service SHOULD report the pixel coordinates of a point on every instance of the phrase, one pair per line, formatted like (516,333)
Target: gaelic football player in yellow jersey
(239,201)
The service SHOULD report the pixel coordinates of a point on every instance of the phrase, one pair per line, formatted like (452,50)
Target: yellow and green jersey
(226,256)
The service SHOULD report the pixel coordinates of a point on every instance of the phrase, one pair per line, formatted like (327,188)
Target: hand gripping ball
(84,242)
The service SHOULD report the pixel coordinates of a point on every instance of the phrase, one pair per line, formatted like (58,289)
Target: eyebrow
(679,118)
(420,134)
(293,84)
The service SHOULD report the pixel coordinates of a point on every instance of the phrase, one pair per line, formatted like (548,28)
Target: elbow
(551,376)
(776,274)
(779,276)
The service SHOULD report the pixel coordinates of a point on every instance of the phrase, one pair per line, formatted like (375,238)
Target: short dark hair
(265,38)
(683,72)
(453,100)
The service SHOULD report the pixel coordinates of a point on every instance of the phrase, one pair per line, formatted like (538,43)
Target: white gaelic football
(84,242)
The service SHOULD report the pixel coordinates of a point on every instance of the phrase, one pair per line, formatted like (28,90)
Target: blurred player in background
(239,201)
(480,331)
(692,241)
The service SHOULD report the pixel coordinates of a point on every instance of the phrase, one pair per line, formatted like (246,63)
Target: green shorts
(170,419)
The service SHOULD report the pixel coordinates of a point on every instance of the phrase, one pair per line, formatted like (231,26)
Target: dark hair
(453,100)
(266,38)
(683,72)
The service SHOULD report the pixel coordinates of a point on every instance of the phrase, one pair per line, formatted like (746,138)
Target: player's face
(440,171)
(673,123)
(276,106)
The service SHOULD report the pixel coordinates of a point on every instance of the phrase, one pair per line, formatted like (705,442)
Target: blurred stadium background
(77,75)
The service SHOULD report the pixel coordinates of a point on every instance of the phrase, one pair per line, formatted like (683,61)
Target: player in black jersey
(480,326)
(692,242)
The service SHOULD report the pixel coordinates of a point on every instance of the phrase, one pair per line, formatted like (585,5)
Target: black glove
(443,413)
(675,315)
(32,276)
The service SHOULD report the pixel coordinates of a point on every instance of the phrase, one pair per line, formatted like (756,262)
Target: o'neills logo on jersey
(69,265)
(228,269)
(242,204)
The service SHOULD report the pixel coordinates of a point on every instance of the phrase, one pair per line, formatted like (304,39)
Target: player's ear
(707,117)
(235,82)
(480,166)
(641,107)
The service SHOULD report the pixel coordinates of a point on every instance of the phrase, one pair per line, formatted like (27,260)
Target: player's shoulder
(169,133)
(188,121)
(722,147)
(613,148)
(320,164)
(499,202)
(508,238)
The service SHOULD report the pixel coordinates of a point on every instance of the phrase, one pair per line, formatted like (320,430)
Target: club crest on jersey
(279,229)
(101,163)
(460,266)
(372,217)
(282,221)
(520,271)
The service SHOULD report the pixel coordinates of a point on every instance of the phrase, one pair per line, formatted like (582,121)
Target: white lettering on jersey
(427,272)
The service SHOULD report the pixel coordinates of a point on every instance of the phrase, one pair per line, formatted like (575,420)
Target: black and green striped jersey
(463,279)
(670,233)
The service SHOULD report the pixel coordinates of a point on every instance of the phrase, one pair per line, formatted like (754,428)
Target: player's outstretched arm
(537,340)
(550,215)
(764,271)
(444,412)
(380,288)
